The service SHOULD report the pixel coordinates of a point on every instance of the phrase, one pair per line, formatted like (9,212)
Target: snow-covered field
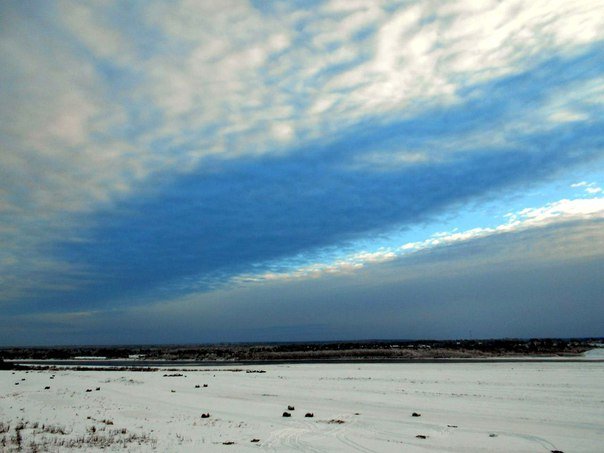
(476,407)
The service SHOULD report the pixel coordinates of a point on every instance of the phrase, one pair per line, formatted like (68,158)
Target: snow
(597,353)
(464,407)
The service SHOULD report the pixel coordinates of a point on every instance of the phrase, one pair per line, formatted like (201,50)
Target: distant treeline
(328,350)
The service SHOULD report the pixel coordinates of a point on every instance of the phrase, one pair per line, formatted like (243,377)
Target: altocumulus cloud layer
(282,170)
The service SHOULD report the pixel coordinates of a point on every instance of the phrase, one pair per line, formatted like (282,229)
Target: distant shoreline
(393,351)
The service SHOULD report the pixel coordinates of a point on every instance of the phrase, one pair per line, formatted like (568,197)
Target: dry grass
(35,437)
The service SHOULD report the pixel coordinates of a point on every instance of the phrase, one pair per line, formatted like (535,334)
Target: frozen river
(462,407)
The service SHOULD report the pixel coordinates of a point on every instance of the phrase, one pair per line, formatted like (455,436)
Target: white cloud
(221,78)
(388,160)
(90,23)
(525,219)
(282,131)
(574,102)
(229,80)
(431,50)
(567,116)
(259,73)
(591,188)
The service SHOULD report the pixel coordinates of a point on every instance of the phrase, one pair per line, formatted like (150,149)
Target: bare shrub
(84,442)
(18,439)
(54,429)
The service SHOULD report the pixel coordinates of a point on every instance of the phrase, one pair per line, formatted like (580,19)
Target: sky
(234,171)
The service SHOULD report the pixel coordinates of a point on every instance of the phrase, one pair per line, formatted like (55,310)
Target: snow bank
(475,407)
(597,353)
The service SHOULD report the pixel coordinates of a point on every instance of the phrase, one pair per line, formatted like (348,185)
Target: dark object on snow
(206,415)
(309,415)
(415,414)
(291,408)
(255,440)
(492,435)
(197,386)
(229,442)
(88,390)
(47,388)
(4,365)
(97,389)
(286,414)
(16,383)
(452,426)
(421,436)
(556,451)
(205,385)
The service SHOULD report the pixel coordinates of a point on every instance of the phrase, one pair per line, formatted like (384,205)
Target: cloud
(565,116)
(562,211)
(590,188)
(428,52)
(530,283)
(223,220)
(148,143)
